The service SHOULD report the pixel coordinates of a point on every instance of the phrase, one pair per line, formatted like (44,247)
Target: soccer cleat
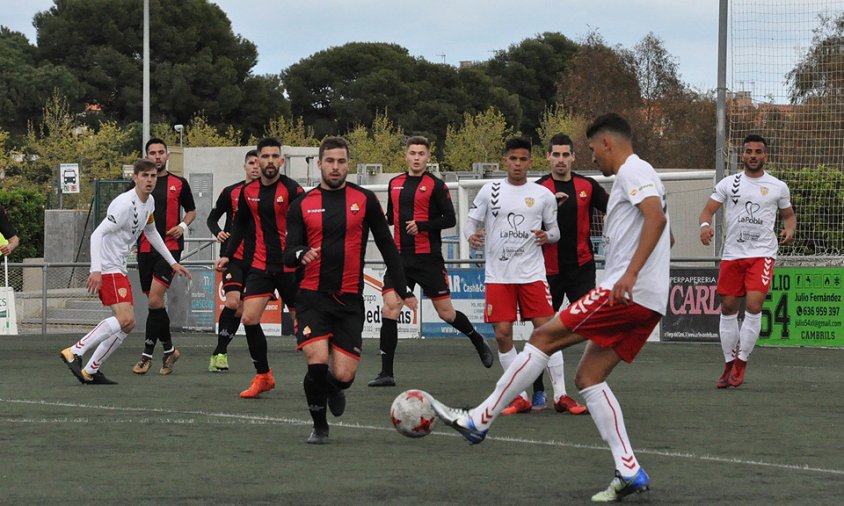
(337,403)
(484,353)
(723,381)
(219,363)
(382,380)
(737,376)
(621,487)
(167,362)
(459,420)
(318,436)
(538,402)
(143,365)
(519,405)
(98,378)
(73,362)
(567,403)
(260,383)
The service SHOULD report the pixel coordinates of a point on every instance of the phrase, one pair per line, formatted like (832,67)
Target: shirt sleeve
(638,186)
(381,233)
(719,194)
(297,241)
(477,211)
(221,207)
(784,202)
(600,197)
(442,201)
(115,219)
(240,225)
(186,197)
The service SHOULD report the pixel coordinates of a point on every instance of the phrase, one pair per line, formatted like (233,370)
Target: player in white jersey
(511,219)
(616,317)
(751,199)
(129,214)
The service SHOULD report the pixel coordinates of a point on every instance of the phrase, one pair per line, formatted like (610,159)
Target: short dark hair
(143,165)
(268,142)
(560,140)
(755,138)
(251,152)
(333,143)
(516,143)
(154,140)
(610,122)
(417,140)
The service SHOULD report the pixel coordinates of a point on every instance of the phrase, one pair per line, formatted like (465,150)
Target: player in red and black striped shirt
(262,209)
(327,233)
(172,194)
(238,266)
(570,262)
(419,207)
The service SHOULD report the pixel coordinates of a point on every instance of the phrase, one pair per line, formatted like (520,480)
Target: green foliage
(817,194)
(26,213)
(383,143)
(479,139)
(291,132)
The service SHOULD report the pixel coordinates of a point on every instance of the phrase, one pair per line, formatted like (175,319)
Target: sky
(451,31)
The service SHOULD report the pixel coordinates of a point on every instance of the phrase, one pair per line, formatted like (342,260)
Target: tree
(384,144)
(479,139)
(556,120)
(291,132)
(531,70)
(26,83)
(198,63)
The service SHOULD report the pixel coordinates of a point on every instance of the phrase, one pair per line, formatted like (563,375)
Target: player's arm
(157,243)
(442,202)
(381,233)
(707,231)
(240,224)
(108,226)
(550,232)
(221,207)
(600,197)
(187,203)
(9,233)
(652,228)
(389,213)
(473,228)
(296,250)
(789,225)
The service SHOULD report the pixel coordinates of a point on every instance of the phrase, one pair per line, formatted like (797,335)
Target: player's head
(156,150)
(269,157)
(517,159)
(754,153)
(417,154)
(333,162)
(250,165)
(610,139)
(144,175)
(560,155)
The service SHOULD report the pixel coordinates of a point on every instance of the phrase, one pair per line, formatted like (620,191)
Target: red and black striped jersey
(425,200)
(226,205)
(338,222)
(263,209)
(172,194)
(574,217)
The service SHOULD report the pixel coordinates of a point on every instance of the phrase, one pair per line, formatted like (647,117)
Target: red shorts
(737,277)
(532,299)
(115,289)
(623,327)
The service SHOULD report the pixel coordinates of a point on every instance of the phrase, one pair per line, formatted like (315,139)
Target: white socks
(103,351)
(506,359)
(516,378)
(749,334)
(728,329)
(606,413)
(557,372)
(100,333)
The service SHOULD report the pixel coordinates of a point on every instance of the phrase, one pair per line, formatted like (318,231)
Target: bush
(26,212)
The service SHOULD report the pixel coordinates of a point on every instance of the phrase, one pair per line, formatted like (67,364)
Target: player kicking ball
(128,215)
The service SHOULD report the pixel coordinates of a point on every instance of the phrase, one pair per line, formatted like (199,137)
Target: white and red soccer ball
(412,413)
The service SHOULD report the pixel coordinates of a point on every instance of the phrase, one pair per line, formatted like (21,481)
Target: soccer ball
(412,413)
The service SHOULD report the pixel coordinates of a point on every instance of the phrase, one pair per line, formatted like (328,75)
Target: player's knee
(447,315)
(250,319)
(127,323)
(391,309)
(232,303)
(542,340)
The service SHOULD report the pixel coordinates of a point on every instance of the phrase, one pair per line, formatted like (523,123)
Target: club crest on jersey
(173,188)
(582,195)
(423,189)
(529,201)
(354,207)
(122,292)
(489,309)
(306,331)
(280,199)
(763,190)
(229,275)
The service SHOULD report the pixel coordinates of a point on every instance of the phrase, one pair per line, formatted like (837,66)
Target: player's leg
(259,288)
(316,386)
(146,267)
(229,317)
(124,312)
(731,289)
(389,335)
(758,281)
(445,310)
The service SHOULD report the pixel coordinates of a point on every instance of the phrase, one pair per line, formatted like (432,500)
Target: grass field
(188,439)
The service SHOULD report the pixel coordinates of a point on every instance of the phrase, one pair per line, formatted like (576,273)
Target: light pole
(181,130)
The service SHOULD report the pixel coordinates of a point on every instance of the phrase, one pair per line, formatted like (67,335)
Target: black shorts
(260,283)
(574,282)
(427,271)
(234,276)
(152,265)
(336,317)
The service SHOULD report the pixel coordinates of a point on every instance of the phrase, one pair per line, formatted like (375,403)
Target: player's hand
(622,290)
(786,236)
(181,270)
(412,228)
(95,282)
(223,236)
(175,232)
(706,235)
(476,240)
(309,256)
(9,247)
(541,236)
(411,302)
(561,197)
(221,263)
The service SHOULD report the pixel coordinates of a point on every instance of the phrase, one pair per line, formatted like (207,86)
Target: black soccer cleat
(98,378)
(337,403)
(382,380)
(485,353)
(73,362)
(318,437)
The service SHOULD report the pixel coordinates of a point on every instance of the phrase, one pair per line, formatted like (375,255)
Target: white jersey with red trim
(125,221)
(750,210)
(509,213)
(635,181)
